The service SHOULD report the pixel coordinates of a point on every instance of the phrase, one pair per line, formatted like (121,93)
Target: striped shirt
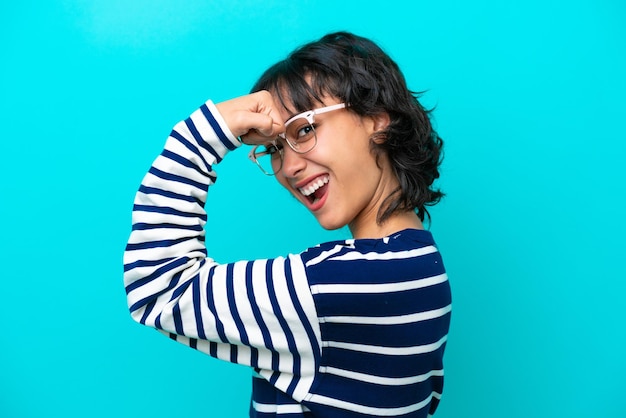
(348,328)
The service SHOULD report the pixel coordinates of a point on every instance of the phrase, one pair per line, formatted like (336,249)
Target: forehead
(293,103)
(298,93)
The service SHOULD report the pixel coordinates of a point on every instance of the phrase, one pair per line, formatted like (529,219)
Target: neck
(396,222)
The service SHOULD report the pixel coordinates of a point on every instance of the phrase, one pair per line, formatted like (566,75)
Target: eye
(300,131)
(304,131)
(273,149)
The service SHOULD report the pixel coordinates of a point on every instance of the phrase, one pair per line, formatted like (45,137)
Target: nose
(293,163)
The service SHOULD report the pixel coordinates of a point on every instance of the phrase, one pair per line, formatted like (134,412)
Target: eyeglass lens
(301,137)
(269,157)
(300,133)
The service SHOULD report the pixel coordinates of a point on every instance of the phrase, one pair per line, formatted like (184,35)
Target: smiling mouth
(314,190)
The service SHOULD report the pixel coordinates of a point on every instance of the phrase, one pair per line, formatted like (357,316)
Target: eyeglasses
(299,134)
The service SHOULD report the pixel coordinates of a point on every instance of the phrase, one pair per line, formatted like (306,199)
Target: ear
(381,121)
(379,124)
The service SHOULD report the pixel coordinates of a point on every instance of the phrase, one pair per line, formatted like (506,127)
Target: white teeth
(310,188)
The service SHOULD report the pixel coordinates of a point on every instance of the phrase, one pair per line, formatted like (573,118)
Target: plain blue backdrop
(530,101)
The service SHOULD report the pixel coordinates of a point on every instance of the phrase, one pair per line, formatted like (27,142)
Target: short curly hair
(358,72)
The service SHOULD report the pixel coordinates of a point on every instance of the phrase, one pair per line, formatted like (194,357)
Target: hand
(254,117)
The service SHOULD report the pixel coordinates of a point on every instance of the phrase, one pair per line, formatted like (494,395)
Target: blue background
(530,100)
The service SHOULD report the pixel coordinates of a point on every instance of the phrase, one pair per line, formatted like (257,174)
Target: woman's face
(339,180)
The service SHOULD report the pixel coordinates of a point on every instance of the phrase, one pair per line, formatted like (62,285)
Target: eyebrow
(294,115)
(291,116)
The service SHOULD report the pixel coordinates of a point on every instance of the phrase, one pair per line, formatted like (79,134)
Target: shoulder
(409,239)
(411,250)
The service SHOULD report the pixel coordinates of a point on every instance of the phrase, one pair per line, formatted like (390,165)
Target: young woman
(347,328)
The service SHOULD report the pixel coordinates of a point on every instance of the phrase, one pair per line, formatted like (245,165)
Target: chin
(331,224)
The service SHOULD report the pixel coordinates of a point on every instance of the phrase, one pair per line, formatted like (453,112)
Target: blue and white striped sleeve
(258,313)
